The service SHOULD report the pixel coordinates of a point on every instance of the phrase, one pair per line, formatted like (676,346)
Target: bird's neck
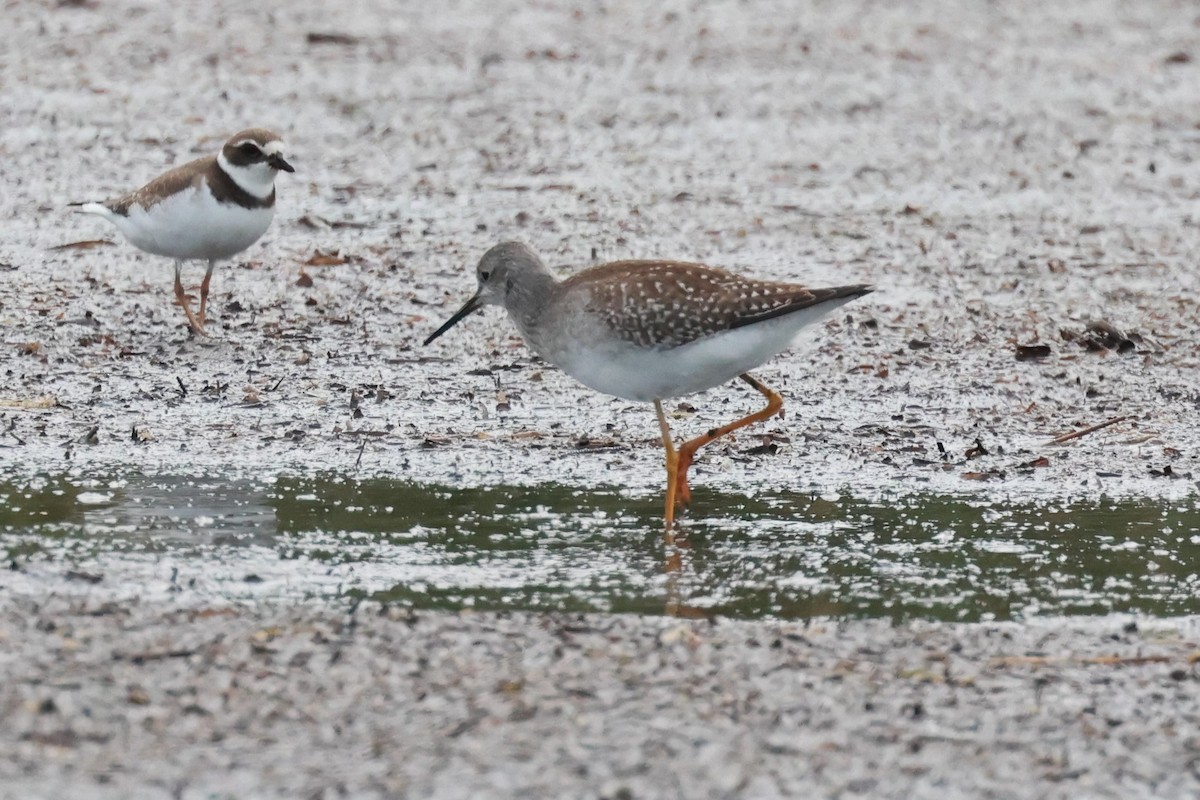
(528,297)
(257,180)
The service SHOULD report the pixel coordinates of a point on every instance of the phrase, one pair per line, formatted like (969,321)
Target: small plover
(650,330)
(208,209)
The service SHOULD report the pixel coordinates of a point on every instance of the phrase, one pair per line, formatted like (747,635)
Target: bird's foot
(195,324)
(683,494)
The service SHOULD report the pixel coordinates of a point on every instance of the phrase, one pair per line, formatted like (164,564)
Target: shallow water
(554,548)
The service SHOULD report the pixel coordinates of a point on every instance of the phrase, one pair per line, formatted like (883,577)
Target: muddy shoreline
(1006,175)
(145,700)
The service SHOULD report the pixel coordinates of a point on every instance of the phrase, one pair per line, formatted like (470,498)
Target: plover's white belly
(192,224)
(614,366)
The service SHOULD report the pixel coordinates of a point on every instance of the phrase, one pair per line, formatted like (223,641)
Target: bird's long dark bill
(458,317)
(278,163)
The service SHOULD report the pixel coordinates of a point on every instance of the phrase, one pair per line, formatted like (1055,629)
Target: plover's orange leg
(204,291)
(672,462)
(687,450)
(196,325)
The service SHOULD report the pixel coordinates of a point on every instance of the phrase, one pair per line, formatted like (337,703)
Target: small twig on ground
(159,655)
(1066,437)
(1052,661)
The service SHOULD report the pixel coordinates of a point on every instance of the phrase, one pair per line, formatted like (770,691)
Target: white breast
(192,224)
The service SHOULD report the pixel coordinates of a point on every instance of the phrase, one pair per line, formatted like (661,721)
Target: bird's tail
(92,207)
(851,292)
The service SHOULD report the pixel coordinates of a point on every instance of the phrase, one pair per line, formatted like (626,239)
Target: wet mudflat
(308,557)
(274,631)
(553,548)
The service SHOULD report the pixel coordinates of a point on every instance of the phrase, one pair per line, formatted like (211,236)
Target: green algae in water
(554,548)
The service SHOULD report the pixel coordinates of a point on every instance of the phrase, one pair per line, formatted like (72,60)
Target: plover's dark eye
(250,150)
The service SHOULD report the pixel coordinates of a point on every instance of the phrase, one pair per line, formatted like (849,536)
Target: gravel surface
(1006,173)
(133,701)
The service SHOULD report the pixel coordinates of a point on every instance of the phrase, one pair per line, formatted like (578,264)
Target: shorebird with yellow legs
(652,330)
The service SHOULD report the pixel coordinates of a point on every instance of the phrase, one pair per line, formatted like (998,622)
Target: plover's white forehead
(252,158)
(254,149)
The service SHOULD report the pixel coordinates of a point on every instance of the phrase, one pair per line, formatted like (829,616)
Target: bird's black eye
(250,150)
(483,276)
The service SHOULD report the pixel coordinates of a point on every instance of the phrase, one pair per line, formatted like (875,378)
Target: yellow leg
(672,462)
(196,325)
(204,291)
(687,450)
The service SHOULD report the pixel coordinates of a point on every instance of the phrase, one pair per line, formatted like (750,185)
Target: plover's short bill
(651,330)
(208,209)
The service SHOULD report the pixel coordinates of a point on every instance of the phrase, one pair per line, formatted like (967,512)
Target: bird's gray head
(252,158)
(500,267)
(504,268)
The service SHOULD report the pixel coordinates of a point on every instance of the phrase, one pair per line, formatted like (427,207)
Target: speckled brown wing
(672,303)
(165,185)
